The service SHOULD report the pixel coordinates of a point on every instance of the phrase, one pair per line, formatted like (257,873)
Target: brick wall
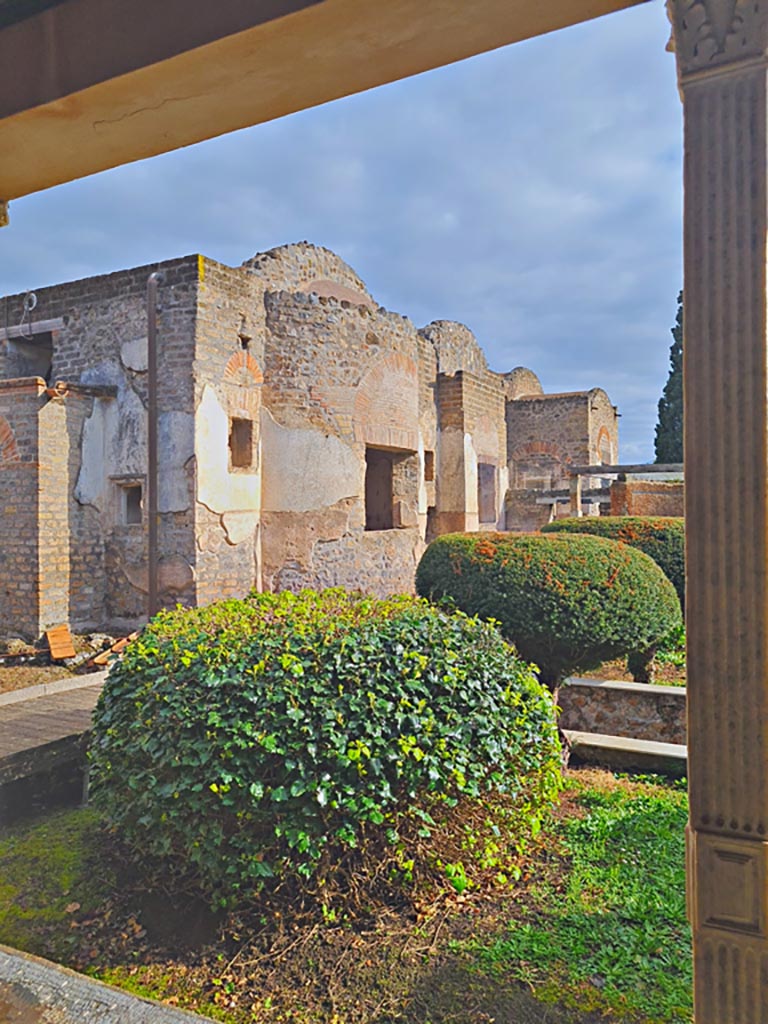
(546,434)
(647,498)
(20,401)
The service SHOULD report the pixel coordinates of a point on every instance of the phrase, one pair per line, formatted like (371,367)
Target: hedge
(568,602)
(259,739)
(660,537)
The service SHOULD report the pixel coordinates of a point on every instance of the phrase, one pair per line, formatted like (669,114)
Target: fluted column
(720,47)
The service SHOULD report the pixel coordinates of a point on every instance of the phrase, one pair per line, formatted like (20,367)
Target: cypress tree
(669,429)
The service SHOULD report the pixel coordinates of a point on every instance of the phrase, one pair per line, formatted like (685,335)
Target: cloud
(533,193)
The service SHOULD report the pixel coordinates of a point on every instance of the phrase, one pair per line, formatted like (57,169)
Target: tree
(669,429)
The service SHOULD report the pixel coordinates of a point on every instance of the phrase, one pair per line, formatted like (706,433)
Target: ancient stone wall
(340,379)
(306,268)
(456,347)
(603,429)
(520,383)
(307,437)
(229,357)
(647,498)
(641,710)
(522,511)
(97,438)
(20,401)
(546,434)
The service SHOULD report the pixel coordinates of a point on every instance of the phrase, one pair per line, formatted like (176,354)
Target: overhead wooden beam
(640,467)
(91,84)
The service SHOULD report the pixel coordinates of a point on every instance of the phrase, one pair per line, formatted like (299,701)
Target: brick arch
(387,404)
(242,362)
(603,435)
(539,448)
(9,451)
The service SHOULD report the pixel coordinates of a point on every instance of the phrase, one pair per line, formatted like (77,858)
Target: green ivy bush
(660,537)
(261,739)
(568,602)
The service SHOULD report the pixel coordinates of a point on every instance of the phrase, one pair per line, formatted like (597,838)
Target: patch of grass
(605,928)
(47,873)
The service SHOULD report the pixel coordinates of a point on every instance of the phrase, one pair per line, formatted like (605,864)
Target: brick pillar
(720,47)
(456,480)
(53,568)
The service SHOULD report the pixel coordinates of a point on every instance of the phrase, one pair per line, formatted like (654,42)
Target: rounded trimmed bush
(660,537)
(263,737)
(568,602)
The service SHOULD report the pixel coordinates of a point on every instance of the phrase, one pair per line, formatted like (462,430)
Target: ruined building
(307,437)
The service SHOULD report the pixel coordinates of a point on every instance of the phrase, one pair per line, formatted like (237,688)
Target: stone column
(720,47)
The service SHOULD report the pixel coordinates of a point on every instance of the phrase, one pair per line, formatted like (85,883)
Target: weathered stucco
(307,437)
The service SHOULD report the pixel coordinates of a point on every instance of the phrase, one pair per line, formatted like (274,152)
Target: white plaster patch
(470,468)
(309,469)
(133,355)
(99,431)
(501,496)
(239,526)
(422,499)
(219,489)
(176,445)
(128,454)
(173,574)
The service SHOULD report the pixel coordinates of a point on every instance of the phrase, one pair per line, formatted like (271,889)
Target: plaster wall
(93,440)
(340,377)
(228,383)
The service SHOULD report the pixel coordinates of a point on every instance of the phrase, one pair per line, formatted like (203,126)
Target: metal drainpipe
(152,514)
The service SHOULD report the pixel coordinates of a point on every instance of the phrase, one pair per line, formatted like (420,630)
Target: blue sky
(533,193)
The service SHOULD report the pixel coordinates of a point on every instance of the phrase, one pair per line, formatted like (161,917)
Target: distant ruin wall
(647,498)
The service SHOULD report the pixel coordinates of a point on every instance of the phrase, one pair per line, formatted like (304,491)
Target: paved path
(36,991)
(37,721)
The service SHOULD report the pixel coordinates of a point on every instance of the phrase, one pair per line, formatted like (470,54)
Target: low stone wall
(647,498)
(639,710)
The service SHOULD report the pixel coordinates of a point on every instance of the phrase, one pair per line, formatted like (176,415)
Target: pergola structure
(90,84)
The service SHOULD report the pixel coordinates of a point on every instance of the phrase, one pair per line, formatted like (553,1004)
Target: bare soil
(17,677)
(274,962)
(18,674)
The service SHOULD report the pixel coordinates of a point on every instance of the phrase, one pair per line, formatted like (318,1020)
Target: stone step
(627,754)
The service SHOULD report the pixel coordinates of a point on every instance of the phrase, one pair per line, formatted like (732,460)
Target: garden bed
(594,930)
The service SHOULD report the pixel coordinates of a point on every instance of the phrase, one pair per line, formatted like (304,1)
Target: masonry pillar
(720,47)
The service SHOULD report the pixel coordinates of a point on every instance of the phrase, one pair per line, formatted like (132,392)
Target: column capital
(712,35)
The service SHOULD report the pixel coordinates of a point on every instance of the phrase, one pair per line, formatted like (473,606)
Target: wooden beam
(642,467)
(27,330)
(91,84)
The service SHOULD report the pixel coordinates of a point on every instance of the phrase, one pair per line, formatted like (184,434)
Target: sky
(533,193)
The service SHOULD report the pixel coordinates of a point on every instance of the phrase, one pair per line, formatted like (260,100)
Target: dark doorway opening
(379,497)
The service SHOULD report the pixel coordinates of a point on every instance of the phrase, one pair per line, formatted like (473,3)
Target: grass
(48,872)
(604,927)
(594,931)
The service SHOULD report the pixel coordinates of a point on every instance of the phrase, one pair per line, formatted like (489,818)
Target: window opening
(32,357)
(379,497)
(486,492)
(132,504)
(241,443)
(429,465)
